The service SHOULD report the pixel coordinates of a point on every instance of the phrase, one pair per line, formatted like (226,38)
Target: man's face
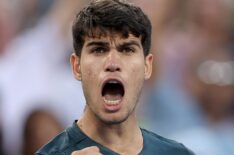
(112,70)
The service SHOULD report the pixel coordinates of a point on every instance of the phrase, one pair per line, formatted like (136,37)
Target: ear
(148,65)
(75,64)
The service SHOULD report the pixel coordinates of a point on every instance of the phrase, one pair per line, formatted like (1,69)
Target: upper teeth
(113,81)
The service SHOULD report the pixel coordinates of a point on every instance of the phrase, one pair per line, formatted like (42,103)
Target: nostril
(108,70)
(112,68)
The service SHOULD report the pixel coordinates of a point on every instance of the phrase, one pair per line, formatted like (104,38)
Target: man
(112,60)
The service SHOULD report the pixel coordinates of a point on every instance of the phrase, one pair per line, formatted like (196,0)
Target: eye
(128,50)
(98,50)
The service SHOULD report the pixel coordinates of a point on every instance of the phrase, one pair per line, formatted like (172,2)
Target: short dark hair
(102,16)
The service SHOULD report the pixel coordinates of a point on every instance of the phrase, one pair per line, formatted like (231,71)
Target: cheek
(90,84)
(89,74)
(137,70)
(89,71)
(136,75)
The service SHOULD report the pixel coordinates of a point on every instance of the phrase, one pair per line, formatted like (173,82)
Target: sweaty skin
(112,57)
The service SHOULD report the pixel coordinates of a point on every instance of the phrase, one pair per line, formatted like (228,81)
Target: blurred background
(190,97)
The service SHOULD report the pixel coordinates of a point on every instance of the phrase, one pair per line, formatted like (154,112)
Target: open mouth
(112,92)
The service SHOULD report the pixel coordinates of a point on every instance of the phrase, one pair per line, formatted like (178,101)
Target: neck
(118,137)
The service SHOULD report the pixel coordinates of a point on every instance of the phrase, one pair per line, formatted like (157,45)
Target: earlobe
(79,77)
(148,66)
(75,64)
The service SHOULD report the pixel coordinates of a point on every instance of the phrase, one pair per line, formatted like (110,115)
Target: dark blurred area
(19,15)
(48,127)
(35,73)
(190,97)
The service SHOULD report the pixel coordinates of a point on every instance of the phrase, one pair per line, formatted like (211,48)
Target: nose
(113,62)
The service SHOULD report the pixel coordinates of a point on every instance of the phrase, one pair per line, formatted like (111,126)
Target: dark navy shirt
(73,139)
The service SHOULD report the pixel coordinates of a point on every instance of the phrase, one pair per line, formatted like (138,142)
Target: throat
(126,145)
(112,92)
(120,139)
(125,138)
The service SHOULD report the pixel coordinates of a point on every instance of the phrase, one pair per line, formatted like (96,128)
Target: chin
(114,120)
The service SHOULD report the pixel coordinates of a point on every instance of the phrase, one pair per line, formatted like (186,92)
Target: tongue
(112,94)
(112,97)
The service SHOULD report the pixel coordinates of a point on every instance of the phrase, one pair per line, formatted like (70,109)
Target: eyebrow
(132,42)
(103,43)
(97,43)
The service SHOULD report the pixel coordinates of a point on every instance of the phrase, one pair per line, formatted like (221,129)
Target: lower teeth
(114,102)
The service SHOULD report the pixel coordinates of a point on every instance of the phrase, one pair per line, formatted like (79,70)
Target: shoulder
(56,146)
(61,144)
(162,145)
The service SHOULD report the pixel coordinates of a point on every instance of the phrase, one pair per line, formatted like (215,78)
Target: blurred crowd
(190,97)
